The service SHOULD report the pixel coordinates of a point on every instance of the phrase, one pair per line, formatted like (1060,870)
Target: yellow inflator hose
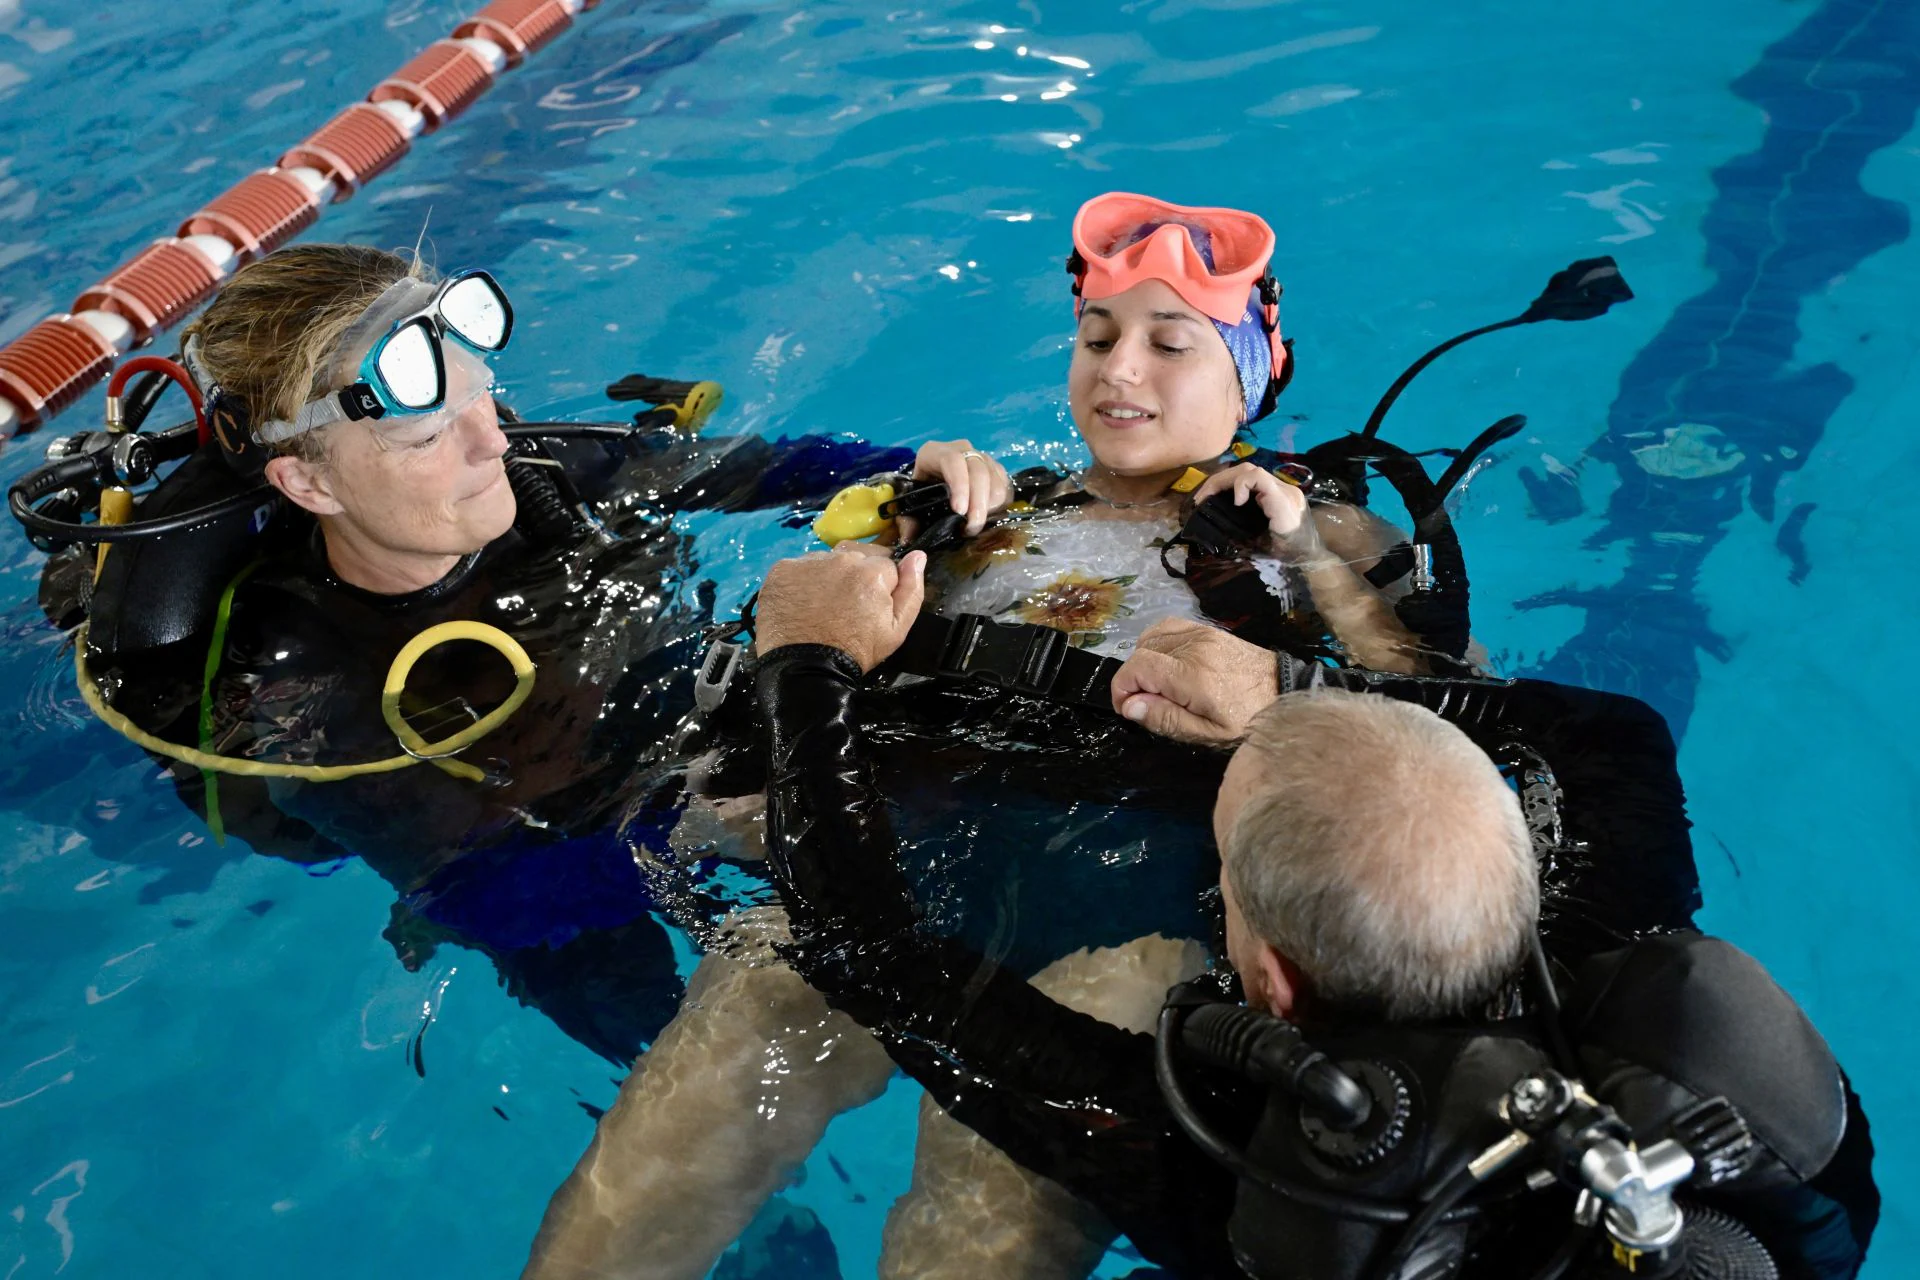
(415,748)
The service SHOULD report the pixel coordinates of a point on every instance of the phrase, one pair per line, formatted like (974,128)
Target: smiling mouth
(1121,416)
(489,487)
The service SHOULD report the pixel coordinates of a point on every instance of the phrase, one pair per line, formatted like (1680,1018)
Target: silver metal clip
(1423,579)
(715,677)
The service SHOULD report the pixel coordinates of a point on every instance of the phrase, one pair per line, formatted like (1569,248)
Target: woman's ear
(305,484)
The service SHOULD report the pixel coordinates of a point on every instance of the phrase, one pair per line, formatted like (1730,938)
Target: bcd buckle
(714,680)
(1025,658)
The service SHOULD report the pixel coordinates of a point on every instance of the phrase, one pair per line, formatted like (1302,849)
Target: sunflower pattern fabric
(1093,575)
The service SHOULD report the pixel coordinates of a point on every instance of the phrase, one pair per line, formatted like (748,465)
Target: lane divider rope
(50,366)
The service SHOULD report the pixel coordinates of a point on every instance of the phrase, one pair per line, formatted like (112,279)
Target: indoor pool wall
(839,214)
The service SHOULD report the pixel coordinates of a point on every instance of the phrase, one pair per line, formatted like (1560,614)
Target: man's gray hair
(1382,853)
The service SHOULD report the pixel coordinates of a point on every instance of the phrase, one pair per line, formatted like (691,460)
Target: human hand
(1284,505)
(977,486)
(1194,683)
(855,598)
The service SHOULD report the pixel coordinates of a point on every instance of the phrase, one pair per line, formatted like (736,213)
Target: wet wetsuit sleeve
(748,473)
(1066,1095)
(832,850)
(1624,866)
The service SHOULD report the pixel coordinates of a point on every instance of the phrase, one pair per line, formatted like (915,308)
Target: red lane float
(360,143)
(164,281)
(258,214)
(50,366)
(520,26)
(440,83)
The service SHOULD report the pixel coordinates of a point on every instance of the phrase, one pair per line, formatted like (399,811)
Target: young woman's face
(1151,385)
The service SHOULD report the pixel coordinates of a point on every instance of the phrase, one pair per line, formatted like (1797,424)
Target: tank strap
(1438,608)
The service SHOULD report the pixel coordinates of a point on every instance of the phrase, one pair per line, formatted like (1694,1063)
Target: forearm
(1361,619)
(745,473)
(830,845)
(832,851)
(1355,534)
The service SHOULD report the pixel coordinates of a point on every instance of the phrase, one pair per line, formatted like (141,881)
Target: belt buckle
(956,655)
(715,677)
(1024,658)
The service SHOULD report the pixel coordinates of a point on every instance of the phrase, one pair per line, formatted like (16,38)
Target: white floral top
(1087,570)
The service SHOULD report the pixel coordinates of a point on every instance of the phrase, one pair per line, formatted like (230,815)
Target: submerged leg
(714,1119)
(971,1210)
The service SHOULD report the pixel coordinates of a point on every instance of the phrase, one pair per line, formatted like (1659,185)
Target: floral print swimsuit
(1089,571)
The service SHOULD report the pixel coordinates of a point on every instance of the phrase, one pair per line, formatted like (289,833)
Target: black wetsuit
(1074,1098)
(536,869)
(1004,806)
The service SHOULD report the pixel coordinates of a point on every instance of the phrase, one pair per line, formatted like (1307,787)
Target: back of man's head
(1381,852)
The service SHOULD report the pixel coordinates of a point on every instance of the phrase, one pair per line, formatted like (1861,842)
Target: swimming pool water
(853,215)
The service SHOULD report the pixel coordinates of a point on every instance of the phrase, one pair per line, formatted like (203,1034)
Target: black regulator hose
(1413,370)
(141,397)
(571,430)
(1439,615)
(1432,1214)
(549,512)
(1268,1050)
(55,476)
(1549,996)
(71,531)
(1506,428)
(1585,289)
(1223,1153)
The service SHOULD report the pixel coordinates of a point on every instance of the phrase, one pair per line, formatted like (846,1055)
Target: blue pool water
(853,216)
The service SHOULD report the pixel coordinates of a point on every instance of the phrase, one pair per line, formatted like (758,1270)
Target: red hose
(160,364)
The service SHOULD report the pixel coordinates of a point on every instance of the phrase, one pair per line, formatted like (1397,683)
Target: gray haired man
(1376,867)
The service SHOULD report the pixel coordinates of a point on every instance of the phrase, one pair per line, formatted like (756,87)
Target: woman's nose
(481,424)
(1122,365)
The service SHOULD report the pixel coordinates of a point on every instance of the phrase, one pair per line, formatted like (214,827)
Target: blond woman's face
(432,483)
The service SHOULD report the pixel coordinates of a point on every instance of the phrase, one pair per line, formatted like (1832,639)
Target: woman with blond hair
(357,383)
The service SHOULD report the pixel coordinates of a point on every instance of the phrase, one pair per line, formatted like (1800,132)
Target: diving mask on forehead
(405,371)
(1215,259)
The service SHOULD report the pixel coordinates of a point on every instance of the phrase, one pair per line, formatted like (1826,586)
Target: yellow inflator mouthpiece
(853,514)
(697,406)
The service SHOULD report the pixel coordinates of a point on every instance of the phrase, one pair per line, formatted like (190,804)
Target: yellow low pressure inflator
(854,513)
(691,411)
